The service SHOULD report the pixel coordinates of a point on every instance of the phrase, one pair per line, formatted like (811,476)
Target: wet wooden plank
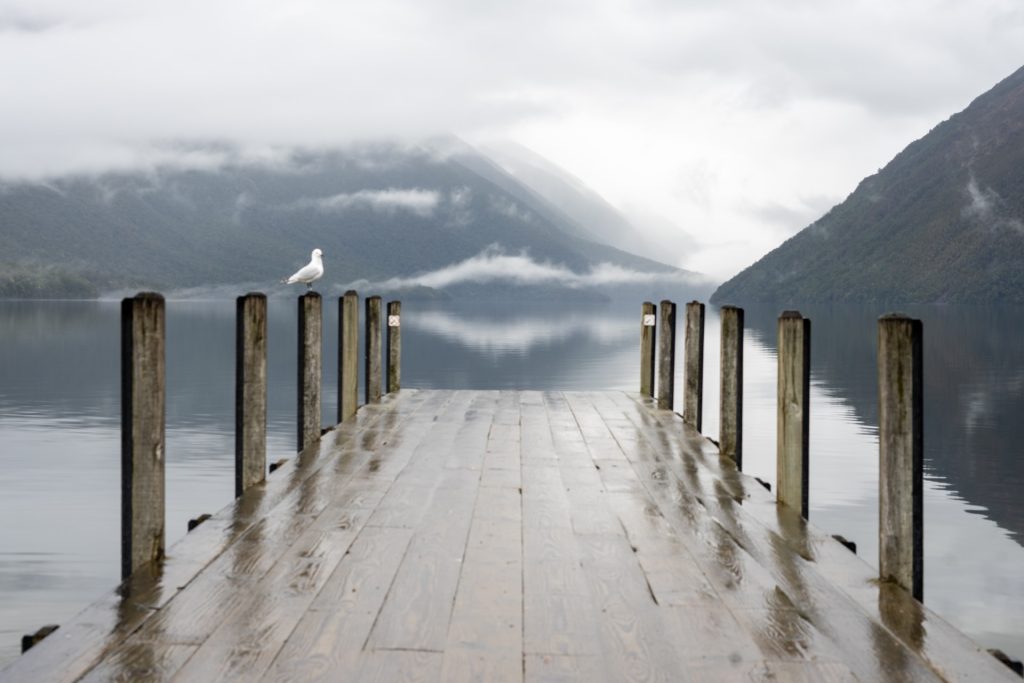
(557,608)
(485,634)
(634,639)
(563,669)
(510,536)
(416,612)
(327,642)
(105,624)
(472,665)
(842,629)
(265,582)
(141,662)
(398,666)
(245,643)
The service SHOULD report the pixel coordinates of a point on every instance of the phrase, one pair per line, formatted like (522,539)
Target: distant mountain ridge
(943,222)
(597,219)
(377,211)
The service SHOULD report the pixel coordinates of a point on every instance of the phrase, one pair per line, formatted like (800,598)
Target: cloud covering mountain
(428,216)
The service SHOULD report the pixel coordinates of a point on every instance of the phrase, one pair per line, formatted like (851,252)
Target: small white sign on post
(648,320)
(393,321)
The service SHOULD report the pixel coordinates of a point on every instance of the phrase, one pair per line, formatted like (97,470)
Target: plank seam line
(319,465)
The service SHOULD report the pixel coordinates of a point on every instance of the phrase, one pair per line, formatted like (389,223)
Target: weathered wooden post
(250,391)
(900,453)
(309,368)
(348,355)
(648,323)
(730,421)
(794,380)
(142,431)
(667,356)
(394,346)
(372,360)
(693,389)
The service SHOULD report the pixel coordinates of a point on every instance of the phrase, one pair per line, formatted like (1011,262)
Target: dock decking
(508,536)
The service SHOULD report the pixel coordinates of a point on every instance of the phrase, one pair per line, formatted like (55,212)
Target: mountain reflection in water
(60,420)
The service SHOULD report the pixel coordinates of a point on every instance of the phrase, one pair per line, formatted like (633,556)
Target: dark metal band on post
(394,346)
(901,453)
(730,422)
(348,356)
(372,361)
(693,350)
(667,356)
(310,344)
(143,379)
(794,379)
(648,326)
(250,391)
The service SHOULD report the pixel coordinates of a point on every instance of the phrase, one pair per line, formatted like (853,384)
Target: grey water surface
(60,429)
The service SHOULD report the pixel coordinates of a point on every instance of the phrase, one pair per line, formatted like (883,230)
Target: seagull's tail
(284,281)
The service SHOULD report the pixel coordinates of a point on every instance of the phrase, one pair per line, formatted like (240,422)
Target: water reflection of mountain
(62,359)
(519,334)
(974,391)
(521,347)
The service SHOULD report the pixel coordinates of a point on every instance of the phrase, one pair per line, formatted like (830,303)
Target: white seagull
(309,272)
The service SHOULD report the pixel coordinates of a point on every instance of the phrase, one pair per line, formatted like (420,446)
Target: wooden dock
(508,536)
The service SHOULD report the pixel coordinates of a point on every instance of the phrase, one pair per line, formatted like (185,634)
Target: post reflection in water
(60,422)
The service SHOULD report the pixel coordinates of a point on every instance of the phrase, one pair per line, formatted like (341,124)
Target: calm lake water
(60,429)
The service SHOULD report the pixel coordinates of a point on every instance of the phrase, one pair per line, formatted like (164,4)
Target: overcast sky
(720,127)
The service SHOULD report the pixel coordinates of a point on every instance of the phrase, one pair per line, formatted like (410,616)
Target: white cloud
(694,110)
(511,209)
(494,265)
(982,202)
(417,201)
(984,208)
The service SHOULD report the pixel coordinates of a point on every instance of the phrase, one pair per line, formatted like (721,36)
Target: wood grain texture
(393,353)
(647,349)
(250,391)
(372,350)
(143,378)
(348,355)
(794,411)
(666,355)
(630,550)
(693,368)
(730,414)
(901,453)
(310,368)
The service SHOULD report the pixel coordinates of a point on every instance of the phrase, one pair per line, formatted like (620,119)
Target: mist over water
(495,265)
(60,429)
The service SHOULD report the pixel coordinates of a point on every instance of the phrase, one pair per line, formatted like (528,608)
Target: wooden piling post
(348,356)
(693,389)
(142,431)
(372,360)
(250,391)
(793,429)
(667,356)
(394,346)
(900,453)
(310,344)
(648,324)
(730,422)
